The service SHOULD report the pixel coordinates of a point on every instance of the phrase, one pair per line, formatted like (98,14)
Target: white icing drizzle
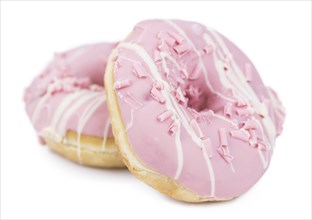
(179,150)
(245,89)
(63,108)
(211,171)
(219,67)
(66,102)
(61,127)
(38,108)
(164,64)
(263,160)
(172,105)
(85,117)
(202,66)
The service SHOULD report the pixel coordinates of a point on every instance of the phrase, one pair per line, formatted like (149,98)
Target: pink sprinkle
(207,49)
(169,40)
(240,135)
(172,128)
(131,100)
(208,147)
(122,84)
(248,72)
(222,137)
(165,115)
(250,124)
(180,96)
(182,48)
(158,85)
(224,153)
(163,46)
(156,94)
(157,56)
(244,112)
(139,70)
(228,110)
(196,128)
(176,36)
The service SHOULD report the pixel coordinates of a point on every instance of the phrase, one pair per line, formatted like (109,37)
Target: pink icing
(217,139)
(74,80)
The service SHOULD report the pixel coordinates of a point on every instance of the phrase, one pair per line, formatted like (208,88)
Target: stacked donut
(190,115)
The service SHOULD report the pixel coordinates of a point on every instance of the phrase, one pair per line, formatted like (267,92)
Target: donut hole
(198,105)
(198,99)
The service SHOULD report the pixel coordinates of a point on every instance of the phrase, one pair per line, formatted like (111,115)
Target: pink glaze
(205,117)
(69,94)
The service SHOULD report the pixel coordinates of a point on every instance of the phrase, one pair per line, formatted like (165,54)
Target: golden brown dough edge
(91,153)
(164,184)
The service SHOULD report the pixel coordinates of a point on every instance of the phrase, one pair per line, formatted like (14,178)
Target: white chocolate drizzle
(85,117)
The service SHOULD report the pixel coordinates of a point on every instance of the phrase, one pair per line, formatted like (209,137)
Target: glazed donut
(190,114)
(66,104)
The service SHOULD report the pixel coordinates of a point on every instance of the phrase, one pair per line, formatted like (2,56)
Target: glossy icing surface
(195,108)
(69,94)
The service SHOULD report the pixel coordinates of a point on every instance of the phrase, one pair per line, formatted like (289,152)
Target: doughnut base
(162,183)
(91,152)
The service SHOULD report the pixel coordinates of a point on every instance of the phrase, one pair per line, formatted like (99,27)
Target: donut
(66,104)
(190,113)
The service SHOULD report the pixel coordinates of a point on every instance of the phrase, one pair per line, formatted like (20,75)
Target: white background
(36,183)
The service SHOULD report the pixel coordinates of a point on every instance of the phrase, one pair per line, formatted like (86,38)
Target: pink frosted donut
(66,104)
(190,113)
